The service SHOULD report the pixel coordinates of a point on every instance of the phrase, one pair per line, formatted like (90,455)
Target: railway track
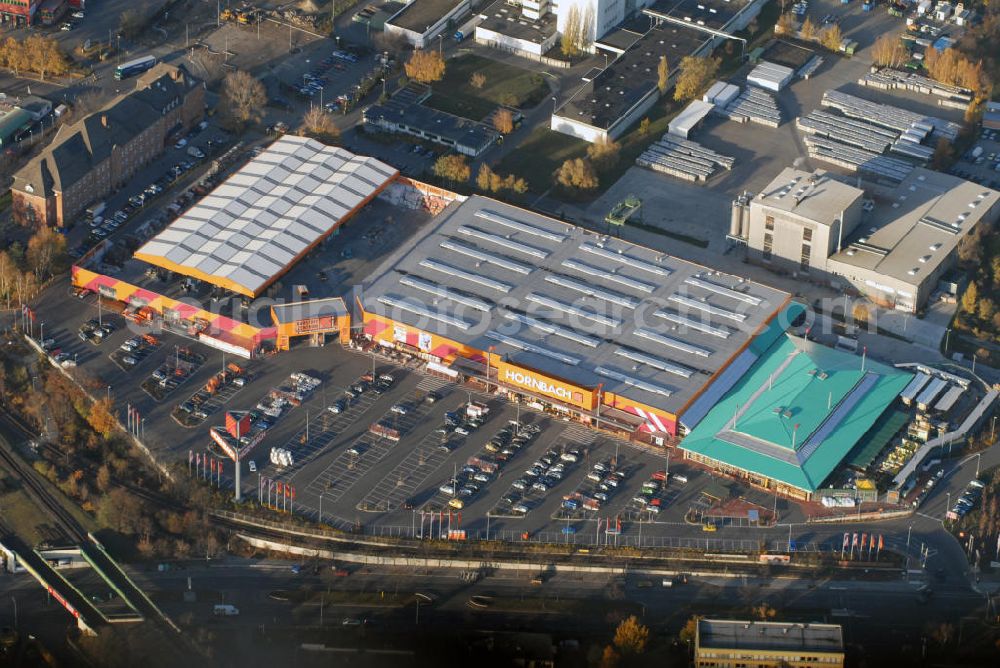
(35,488)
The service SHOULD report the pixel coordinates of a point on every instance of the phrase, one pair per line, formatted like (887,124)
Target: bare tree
(243,97)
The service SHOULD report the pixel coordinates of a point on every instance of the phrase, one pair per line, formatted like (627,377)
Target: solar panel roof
(262,219)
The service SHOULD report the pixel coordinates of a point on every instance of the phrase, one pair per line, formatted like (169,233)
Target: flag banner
(881,541)
(854,542)
(847,539)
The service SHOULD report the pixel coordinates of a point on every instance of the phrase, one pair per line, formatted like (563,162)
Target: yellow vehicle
(456,503)
(710,528)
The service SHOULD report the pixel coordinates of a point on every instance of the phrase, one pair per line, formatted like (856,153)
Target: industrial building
(729,643)
(794,415)
(607,104)
(421,21)
(596,328)
(518,30)
(239,240)
(894,249)
(100,152)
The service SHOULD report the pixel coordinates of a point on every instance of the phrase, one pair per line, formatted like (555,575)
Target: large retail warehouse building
(583,323)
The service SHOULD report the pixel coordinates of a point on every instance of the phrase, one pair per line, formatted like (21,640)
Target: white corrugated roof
(252,226)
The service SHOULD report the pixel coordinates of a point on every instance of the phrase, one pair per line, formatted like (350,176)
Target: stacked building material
(754,106)
(888,116)
(849,131)
(890,79)
(857,159)
(683,158)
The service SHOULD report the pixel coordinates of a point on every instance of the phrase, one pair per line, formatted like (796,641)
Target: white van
(225,611)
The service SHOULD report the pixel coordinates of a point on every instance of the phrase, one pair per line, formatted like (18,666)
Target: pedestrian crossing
(432,384)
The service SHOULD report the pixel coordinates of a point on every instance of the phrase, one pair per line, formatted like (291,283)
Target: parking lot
(981,163)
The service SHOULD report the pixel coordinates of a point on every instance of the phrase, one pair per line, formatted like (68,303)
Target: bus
(134,67)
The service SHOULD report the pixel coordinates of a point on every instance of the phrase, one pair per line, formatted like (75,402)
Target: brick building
(99,153)
(18,13)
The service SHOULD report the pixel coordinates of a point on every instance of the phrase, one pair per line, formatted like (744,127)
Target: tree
(103,478)
(503,121)
(572,33)
(662,75)
(888,51)
(786,24)
(243,97)
(46,250)
(764,612)
(986,308)
(425,66)
(609,658)
(943,154)
(478,80)
(644,126)
(631,636)
(392,43)
(101,417)
(970,298)
(318,124)
(604,154)
(487,180)
(696,73)
(577,174)
(808,30)
(831,38)
(452,168)
(690,630)
(131,23)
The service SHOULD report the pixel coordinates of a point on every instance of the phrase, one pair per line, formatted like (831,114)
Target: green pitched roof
(797,412)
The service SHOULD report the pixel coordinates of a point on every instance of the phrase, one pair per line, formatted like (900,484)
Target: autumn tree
(695,75)
(631,637)
(808,30)
(831,38)
(425,66)
(101,417)
(14,56)
(577,34)
(970,298)
(318,124)
(943,154)
(452,168)
(577,174)
(763,612)
(951,67)
(489,181)
(786,24)
(690,630)
(46,252)
(609,658)
(888,51)
(503,121)
(477,80)
(662,75)
(243,97)
(604,154)
(644,126)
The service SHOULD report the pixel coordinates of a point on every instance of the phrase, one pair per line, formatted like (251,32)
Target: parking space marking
(409,475)
(432,384)
(345,471)
(323,429)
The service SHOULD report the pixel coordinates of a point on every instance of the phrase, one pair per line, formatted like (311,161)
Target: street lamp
(321,508)
(947,504)
(908,531)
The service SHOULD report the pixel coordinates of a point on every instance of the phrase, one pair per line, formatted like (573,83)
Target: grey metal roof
(773,636)
(571,303)
(263,217)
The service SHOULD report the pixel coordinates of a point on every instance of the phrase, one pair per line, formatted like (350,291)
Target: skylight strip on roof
(671,342)
(707,308)
(633,382)
(723,290)
(527,228)
(597,272)
(655,362)
(557,305)
(499,286)
(503,241)
(418,309)
(532,348)
(483,256)
(555,330)
(622,257)
(694,324)
(443,292)
(591,291)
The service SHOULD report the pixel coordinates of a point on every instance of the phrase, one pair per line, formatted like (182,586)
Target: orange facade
(391,333)
(327,324)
